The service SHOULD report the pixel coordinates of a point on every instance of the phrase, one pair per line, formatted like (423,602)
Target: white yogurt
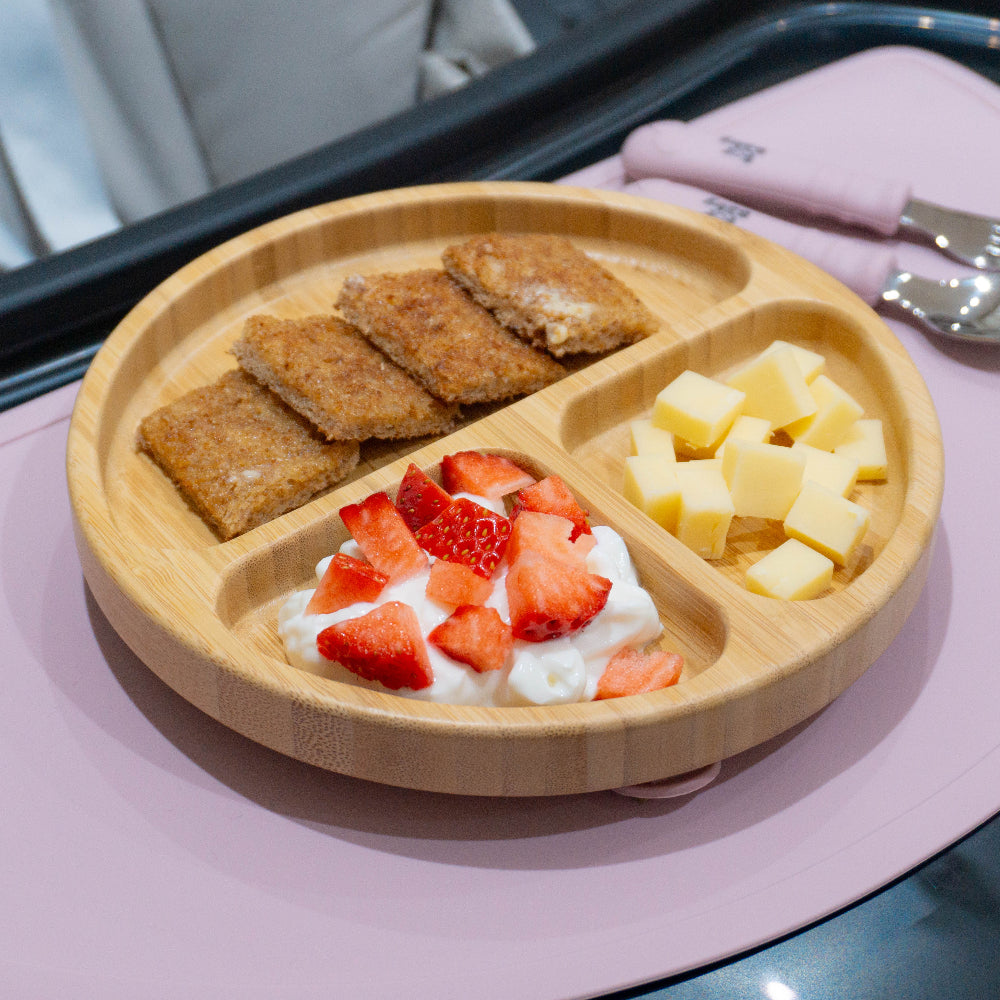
(553,672)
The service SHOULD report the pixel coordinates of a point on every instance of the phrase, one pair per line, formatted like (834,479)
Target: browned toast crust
(549,291)
(326,370)
(239,456)
(453,347)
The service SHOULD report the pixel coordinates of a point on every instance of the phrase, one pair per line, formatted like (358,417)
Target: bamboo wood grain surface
(202,613)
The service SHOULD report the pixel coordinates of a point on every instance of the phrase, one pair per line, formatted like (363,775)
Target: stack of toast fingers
(407,351)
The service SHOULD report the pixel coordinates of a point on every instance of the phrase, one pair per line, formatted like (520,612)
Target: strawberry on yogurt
(444,596)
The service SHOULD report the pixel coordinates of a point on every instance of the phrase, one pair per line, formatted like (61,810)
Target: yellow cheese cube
(706,508)
(697,409)
(746,429)
(793,572)
(647,439)
(775,387)
(709,463)
(836,472)
(836,410)
(764,479)
(827,522)
(651,484)
(865,442)
(810,363)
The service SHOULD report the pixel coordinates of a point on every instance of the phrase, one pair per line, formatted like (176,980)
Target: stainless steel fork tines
(973,239)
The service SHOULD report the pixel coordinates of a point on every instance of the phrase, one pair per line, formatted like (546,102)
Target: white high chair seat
(180,97)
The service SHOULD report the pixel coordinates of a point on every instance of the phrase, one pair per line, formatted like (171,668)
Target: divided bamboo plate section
(202,613)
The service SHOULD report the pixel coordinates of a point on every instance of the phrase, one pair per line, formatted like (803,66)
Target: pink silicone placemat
(147,851)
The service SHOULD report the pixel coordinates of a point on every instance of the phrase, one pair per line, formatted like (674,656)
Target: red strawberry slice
(468,533)
(552,496)
(476,636)
(453,583)
(484,475)
(384,538)
(630,671)
(583,545)
(549,597)
(385,645)
(419,498)
(546,534)
(346,581)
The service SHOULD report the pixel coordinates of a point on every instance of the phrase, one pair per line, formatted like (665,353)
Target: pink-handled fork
(763,176)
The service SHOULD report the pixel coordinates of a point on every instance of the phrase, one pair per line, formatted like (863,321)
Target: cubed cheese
(836,472)
(697,409)
(810,363)
(865,442)
(651,484)
(793,572)
(827,522)
(728,455)
(836,410)
(763,479)
(746,429)
(647,439)
(775,387)
(706,508)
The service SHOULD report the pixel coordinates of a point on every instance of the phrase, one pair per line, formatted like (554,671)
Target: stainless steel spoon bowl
(961,308)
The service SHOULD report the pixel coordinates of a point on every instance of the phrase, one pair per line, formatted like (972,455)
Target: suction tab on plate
(675,787)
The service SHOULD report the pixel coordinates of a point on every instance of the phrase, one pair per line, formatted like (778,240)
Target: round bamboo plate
(202,613)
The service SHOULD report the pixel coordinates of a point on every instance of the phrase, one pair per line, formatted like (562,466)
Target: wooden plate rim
(860,601)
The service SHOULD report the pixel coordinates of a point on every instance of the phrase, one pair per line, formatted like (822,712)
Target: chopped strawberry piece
(346,581)
(419,498)
(454,583)
(552,496)
(476,636)
(633,672)
(549,598)
(469,533)
(583,545)
(546,534)
(384,645)
(483,475)
(384,538)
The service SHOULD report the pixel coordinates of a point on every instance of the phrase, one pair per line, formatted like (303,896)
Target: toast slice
(324,369)
(451,345)
(549,292)
(239,456)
